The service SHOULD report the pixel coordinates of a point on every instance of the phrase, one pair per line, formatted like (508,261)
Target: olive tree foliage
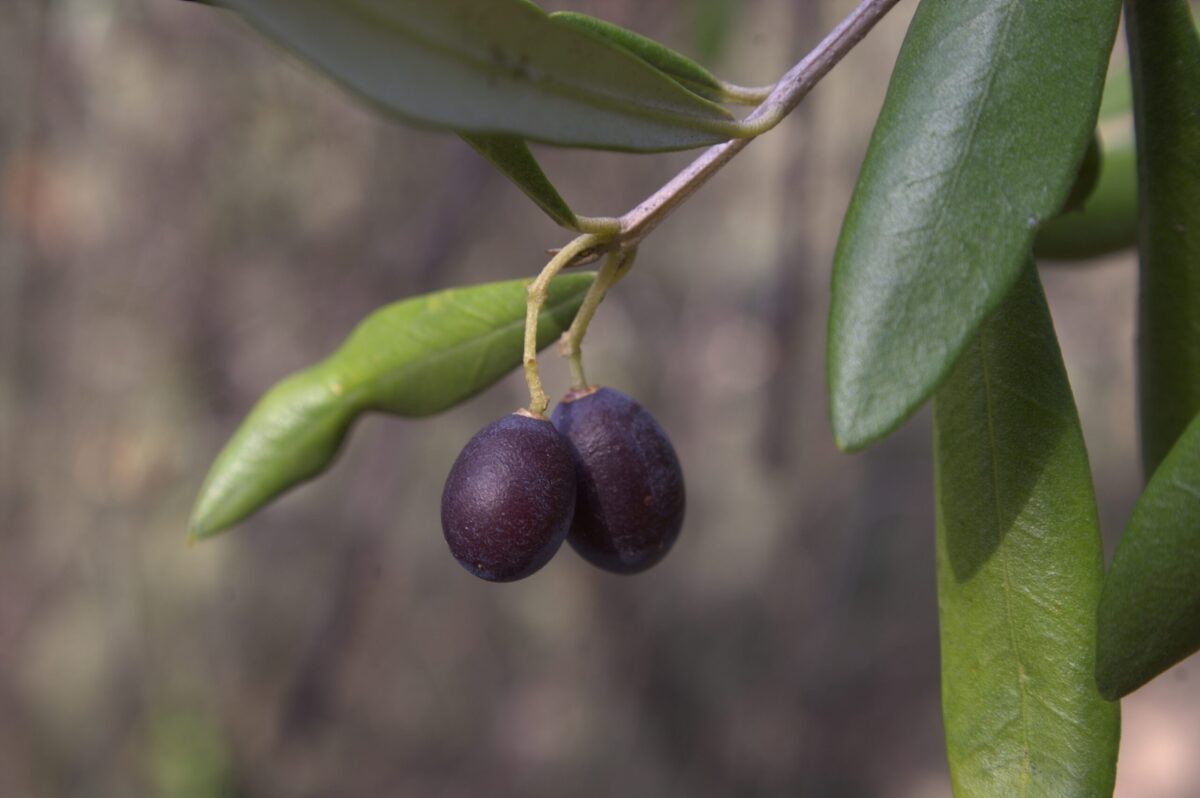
(986,156)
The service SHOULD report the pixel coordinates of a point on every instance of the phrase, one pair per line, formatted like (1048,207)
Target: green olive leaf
(492,66)
(1164,57)
(512,157)
(411,358)
(986,121)
(1149,617)
(683,69)
(1019,563)
(1106,222)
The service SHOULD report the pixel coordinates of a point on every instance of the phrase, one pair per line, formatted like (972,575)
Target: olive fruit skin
(509,498)
(631,495)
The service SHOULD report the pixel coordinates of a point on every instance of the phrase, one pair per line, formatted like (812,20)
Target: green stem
(598,225)
(745,95)
(537,297)
(615,267)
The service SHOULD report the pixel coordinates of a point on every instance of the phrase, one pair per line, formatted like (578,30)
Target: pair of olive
(600,473)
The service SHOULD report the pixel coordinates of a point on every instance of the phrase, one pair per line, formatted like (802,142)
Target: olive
(631,497)
(509,499)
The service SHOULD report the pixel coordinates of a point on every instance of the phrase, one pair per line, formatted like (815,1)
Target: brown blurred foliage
(188,215)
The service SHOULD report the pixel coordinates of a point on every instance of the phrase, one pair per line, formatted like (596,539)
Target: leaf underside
(987,118)
(1019,567)
(412,358)
(492,66)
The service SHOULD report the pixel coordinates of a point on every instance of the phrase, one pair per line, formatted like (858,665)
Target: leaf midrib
(1026,765)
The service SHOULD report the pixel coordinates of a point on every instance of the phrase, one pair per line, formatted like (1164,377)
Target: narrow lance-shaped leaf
(1149,616)
(1164,56)
(411,358)
(492,66)
(986,121)
(683,69)
(512,157)
(1019,567)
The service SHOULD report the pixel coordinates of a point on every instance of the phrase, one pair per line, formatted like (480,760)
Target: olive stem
(745,95)
(598,225)
(793,87)
(615,267)
(537,297)
(623,234)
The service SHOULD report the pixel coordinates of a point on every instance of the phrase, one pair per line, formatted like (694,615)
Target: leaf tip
(867,406)
(846,445)
(1109,691)
(202,528)
(851,431)
(207,519)
(1115,676)
(1108,679)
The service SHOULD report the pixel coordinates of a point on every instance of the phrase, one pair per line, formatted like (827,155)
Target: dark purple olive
(631,497)
(509,499)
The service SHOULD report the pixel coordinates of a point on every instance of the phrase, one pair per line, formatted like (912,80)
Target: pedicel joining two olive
(600,473)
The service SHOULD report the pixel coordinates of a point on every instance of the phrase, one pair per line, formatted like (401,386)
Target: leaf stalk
(616,266)
(537,297)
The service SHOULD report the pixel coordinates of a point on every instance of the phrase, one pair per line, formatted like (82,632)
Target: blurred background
(187,215)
